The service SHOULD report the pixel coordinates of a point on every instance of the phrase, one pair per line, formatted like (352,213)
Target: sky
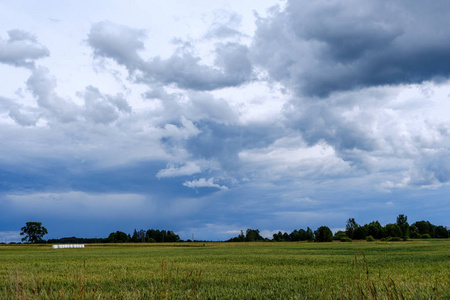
(210,117)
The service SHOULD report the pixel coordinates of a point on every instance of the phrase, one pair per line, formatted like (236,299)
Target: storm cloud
(320,47)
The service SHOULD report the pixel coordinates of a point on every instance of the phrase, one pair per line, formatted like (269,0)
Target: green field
(358,270)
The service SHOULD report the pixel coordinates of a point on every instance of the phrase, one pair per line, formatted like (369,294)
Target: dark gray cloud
(183,68)
(21,49)
(324,46)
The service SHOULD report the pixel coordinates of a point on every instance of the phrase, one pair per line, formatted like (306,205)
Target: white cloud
(202,182)
(290,157)
(189,168)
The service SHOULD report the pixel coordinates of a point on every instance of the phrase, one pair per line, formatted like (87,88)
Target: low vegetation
(249,270)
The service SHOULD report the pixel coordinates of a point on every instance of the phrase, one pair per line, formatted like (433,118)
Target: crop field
(357,270)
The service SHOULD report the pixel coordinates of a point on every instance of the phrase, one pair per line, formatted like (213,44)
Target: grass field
(358,270)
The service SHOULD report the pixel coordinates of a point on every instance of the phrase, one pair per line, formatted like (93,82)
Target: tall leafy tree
(33,232)
(323,234)
(375,229)
(118,237)
(350,228)
(309,234)
(252,235)
(402,222)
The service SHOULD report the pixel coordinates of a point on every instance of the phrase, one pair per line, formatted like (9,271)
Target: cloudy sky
(208,117)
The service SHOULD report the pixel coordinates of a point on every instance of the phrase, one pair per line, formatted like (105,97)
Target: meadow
(295,270)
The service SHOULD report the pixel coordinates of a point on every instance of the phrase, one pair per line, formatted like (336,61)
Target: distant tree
(302,235)
(350,227)
(171,237)
(278,237)
(134,237)
(118,237)
(294,235)
(252,235)
(323,234)
(309,234)
(392,230)
(375,229)
(360,232)
(298,235)
(441,232)
(138,236)
(423,227)
(241,237)
(34,232)
(402,222)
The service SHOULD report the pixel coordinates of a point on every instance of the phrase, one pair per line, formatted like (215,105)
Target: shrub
(425,236)
(339,235)
(370,238)
(414,235)
(346,239)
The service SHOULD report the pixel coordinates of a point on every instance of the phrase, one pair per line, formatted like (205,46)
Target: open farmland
(358,270)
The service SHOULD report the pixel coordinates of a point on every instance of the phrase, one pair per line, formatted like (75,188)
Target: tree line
(400,230)
(144,236)
(34,232)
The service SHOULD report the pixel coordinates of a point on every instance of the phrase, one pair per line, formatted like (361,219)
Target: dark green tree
(33,232)
(302,235)
(323,234)
(375,229)
(360,232)
(441,232)
(402,222)
(241,237)
(309,234)
(392,230)
(138,236)
(118,237)
(172,237)
(278,237)
(350,228)
(298,235)
(252,235)
(423,227)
